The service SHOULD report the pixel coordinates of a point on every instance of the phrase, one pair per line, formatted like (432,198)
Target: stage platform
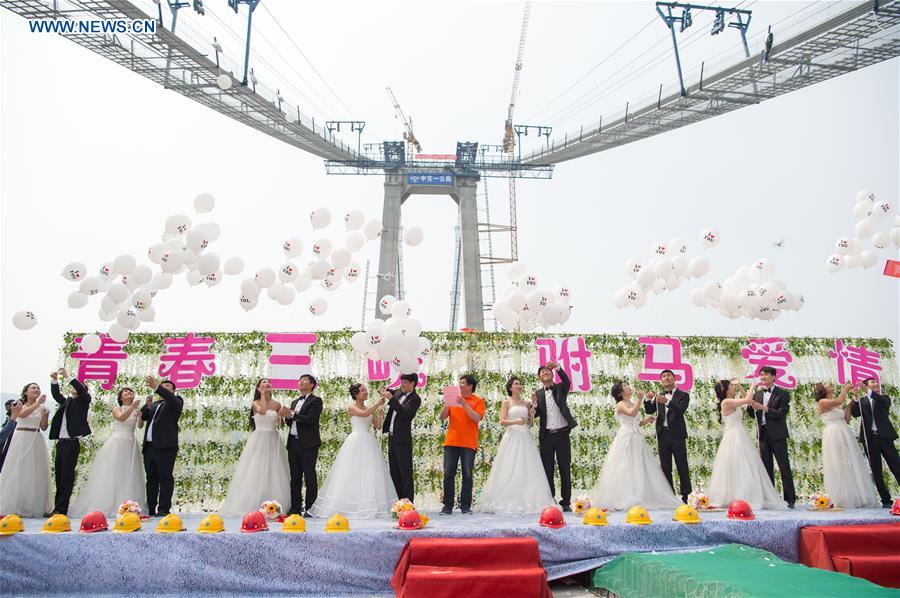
(359,562)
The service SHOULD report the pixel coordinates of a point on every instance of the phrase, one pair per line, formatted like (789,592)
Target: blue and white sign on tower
(429,179)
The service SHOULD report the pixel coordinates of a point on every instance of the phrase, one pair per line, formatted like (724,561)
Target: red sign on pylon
(892,268)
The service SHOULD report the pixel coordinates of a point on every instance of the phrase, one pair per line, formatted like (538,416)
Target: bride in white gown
(631,475)
(738,472)
(847,479)
(517,483)
(25,480)
(117,473)
(262,472)
(359,484)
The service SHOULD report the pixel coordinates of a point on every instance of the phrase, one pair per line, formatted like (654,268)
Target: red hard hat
(254,521)
(895,510)
(409,520)
(552,517)
(740,509)
(94,522)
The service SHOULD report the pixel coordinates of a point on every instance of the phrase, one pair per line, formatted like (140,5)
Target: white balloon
(249,288)
(285,295)
(881,240)
(659,248)
(204,203)
(106,316)
(424,346)
(208,263)
(198,239)
(620,299)
(302,283)
(118,333)
(353,220)
(90,343)
(699,266)
(677,247)
(128,319)
(265,278)
(93,285)
(672,283)
(340,258)
(865,195)
(712,290)
(292,247)
(248,303)
(883,209)
(320,218)
(352,272)
(864,228)
(234,266)
(147,315)
(835,263)
(862,209)
(844,245)
(124,264)
(117,293)
(710,238)
(161,281)
(77,300)
(213,279)
(400,310)
(74,271)
(869,258)
(698,296)
(141,300)
(141,274)
(322,248)
(224,82)
(634,295)
(155,252)
(729,302)
(663,268)
(372,229)
(633,267)
(318,270)
(517,301)
(413,236)
(386,303)
(288,272)
(646,277)
(680,264)
(318,306)
(516,271)
(355,242)
(212,230)
(178,224)
(852,261)
(895,236)
(194,277)
(106,272)
(170,261)
(331,283)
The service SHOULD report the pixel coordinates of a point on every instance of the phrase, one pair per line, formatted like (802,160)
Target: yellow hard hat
(211,524)
(638,515)
(127,522)
(171,523)
(337,523)
(294,523)
(11,524)
(595,516)
(57,524)
(425,520)
(686,514)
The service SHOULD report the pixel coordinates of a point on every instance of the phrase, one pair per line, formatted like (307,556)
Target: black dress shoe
(887,505)
(566,508)
(446,511)
(162,513)
(45,515)
(790,505)
(306,514)
(151,514)
(466,511)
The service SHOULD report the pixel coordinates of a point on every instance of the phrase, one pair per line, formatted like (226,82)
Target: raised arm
(24,411)
(631,411)
(650,402)
(54,388)
(123,413)
(80,389)
(828,404)
(173,401)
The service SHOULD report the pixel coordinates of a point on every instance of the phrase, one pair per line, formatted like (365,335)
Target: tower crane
(408,135)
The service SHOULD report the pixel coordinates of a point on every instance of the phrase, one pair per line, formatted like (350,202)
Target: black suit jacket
(673,413)
(405,414)
(307,422)
(776,417)
(882,413)
(559,394)
(165,425)
(76,410)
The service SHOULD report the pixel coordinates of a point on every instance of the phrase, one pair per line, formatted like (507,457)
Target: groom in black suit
(69,426)
(877,434)
(302,420)
(671,432)
(402,407)
(556,423)
(770,407)
(161,444)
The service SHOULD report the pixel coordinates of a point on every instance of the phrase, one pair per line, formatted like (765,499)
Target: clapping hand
(551,364)
(41,399)
(387,394)
(63,373)
(53,375)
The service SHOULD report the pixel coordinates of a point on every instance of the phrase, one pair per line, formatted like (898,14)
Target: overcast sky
(95,157)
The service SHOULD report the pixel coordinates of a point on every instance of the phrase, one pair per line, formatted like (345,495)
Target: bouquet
(699,501)
(131,506)
(820,500)
(401,505)
(582,504)
(272,510)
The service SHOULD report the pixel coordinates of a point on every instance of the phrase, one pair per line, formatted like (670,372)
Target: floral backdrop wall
(214,425)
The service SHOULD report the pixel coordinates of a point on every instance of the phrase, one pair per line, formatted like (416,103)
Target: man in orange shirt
(461,443)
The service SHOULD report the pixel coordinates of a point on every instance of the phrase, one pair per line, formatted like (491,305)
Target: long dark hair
(354,390)
(819,391)
(256,396)
(721,389)
(617,391)
(509,384)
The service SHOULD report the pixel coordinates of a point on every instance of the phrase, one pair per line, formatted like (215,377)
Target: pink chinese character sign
(380,370)
(102,365)
(187,359)
(762,352)
(289,358)
(861,362)
(665,354)
(570,353)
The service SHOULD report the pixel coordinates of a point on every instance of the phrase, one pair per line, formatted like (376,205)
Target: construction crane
(408,135)
(509,137)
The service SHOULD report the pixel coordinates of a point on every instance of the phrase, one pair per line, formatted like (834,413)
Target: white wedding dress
(631,474)
(848,481)
(517,483)
(25,479)
(738,472)
(262,472)
(359,484)
(117,473)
